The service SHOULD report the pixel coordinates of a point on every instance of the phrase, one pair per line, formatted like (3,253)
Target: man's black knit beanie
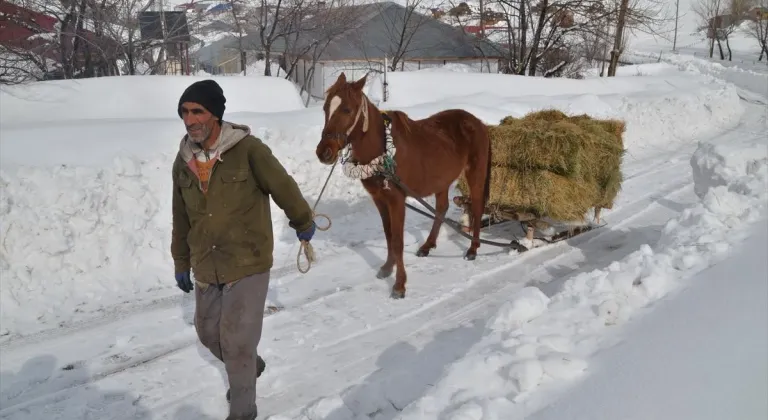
(207,93)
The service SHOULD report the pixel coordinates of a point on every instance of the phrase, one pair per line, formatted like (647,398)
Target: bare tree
(713,18)
(120,21)
(400,30)
(88,38)
(758,27)
(621,23)
(315,28)
(29,56)
(636,15)
(270,22)
(238,22)
(558,37)
(73,46)
(557,28)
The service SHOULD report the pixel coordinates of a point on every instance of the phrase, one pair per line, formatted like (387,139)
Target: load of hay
(548,164)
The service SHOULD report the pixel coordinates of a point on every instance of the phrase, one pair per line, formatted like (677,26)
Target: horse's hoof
(383,273)
(470,256)
(422,252)
(397,294)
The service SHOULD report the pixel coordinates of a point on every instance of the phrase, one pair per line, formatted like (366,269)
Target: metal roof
(382,34)
(177,30)
(366,32)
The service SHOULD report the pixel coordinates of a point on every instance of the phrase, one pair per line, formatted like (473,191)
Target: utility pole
(617,41)
(677,15)
(162,57)
(482,20)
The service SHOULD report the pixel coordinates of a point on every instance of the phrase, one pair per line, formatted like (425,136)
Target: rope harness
(382,165)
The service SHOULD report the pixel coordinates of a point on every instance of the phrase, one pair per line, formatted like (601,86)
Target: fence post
(384,85)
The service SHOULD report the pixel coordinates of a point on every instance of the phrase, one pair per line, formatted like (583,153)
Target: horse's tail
(487,185)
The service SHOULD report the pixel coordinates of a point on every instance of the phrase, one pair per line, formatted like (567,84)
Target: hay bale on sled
(605,147)
(550,164)
(531,145)
(541,193)
(547,115)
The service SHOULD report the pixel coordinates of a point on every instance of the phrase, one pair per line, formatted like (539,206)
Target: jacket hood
(230,135)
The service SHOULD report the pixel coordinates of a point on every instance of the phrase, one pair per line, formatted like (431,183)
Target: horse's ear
(342,78)
(360,84)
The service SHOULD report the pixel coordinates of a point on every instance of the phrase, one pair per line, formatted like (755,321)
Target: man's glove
(307,234)
(184,282)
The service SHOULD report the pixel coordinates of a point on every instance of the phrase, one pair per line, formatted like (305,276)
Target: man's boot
(260,366)
(246,417)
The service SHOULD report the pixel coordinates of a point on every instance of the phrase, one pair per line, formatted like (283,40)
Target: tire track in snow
(517,260)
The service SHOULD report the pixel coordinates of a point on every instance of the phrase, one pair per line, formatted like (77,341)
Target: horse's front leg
(386,269)
(396,206)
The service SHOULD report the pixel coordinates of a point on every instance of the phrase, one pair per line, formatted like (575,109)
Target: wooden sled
(550,231)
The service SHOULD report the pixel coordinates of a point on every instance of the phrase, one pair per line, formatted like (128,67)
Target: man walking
(223,178)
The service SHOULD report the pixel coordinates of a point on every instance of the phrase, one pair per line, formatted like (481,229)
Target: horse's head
(346,109)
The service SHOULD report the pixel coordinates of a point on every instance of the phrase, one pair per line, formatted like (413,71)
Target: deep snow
(341,349)
(135,98)
(752,79)
(708,348)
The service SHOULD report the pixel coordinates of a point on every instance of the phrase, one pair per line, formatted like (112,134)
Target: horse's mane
(402,121)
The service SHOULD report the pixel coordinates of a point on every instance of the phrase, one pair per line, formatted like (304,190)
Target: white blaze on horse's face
(333,106)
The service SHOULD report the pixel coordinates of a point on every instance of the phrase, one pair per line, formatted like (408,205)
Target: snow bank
(663,110)
(451,68)
(81,238)
(650,69)
(420,87)
(753,78)
(93,232)
(550,348)
(680,361)
(258,67)
(135,97)
(86,205)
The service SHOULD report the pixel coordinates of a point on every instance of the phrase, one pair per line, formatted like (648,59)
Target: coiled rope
(306,247)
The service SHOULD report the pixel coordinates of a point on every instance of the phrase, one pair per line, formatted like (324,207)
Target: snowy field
(93,326)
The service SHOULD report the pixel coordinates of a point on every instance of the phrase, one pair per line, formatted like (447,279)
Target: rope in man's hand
(306,247)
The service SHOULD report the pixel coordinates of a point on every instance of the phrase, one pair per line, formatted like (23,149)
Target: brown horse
(430,154)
